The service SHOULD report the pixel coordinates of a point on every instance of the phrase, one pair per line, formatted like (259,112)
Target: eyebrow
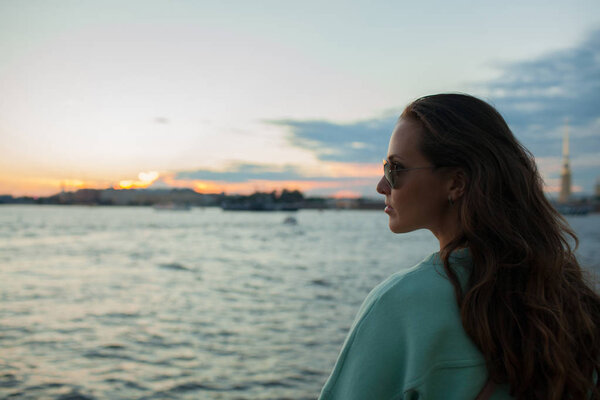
(394,156)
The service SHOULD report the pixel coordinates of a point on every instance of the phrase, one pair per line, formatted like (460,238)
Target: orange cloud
(346,194)
(358,170)
(344,170)
(144,180)
(251,186)
(36,187)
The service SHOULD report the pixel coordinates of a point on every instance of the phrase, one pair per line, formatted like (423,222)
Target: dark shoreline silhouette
(284,200)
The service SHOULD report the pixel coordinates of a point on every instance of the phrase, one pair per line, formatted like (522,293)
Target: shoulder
(419,305)
(419,301)
(402,303)
(416,312)
(414,289)
(407,332)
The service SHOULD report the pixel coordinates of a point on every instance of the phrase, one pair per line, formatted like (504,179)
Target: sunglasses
(391,172)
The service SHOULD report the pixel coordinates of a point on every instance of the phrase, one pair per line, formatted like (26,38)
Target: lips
(388,208)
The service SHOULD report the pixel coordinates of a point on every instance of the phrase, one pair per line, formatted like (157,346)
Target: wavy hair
(526,305)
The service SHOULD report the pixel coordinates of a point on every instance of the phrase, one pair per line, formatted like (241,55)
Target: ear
(457,184)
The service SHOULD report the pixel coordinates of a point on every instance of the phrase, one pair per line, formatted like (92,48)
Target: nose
(383,186)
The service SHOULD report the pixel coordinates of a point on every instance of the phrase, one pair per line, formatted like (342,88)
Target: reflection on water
(122,302)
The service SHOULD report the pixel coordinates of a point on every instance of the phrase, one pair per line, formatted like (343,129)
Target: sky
(238,96)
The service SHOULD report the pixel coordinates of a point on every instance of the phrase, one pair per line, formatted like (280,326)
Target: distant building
(147,197)
(565,172)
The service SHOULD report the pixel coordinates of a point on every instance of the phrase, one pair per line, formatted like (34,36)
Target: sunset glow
(145,179)
(347,169)
(257,186)
(346,194)
(24,186)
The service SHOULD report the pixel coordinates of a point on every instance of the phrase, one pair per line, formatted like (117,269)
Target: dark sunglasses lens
(387,172)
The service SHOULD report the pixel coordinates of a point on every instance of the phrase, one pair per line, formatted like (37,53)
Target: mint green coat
(407,341)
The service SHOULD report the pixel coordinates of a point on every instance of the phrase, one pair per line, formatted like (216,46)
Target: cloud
(540,97)
(322,179)
(243,172)
(161,120)
(536,97)
(359,142)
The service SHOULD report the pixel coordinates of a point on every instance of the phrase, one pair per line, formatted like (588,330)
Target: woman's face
(420,198)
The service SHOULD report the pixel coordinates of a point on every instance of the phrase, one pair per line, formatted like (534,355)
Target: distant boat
(290,221)
(171,207)
(246,205)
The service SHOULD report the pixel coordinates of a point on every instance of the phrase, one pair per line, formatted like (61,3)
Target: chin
(397,227)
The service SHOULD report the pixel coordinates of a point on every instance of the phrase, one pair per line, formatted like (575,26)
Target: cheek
(411,192)
(419,197)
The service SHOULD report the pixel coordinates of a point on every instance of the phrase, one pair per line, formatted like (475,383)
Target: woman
(502,310)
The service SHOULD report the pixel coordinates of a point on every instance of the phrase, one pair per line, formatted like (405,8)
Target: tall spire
(565,172)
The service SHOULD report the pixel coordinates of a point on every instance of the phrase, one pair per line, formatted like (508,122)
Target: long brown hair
(526,305)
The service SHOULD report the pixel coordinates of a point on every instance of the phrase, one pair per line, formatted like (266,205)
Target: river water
(133,303)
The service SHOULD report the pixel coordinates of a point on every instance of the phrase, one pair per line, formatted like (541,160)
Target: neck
(448,229)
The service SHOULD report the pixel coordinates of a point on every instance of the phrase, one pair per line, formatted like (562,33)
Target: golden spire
(565,172)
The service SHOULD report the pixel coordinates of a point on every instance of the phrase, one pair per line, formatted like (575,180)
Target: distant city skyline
(234,98)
